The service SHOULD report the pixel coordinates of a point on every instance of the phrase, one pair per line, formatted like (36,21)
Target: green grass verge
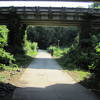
(76,73)
(2,77)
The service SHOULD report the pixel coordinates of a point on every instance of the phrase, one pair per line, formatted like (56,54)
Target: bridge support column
(16,33)
(85,42)
(86,47)
(16,38)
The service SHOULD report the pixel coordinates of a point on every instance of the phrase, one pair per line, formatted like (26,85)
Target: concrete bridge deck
(50,15)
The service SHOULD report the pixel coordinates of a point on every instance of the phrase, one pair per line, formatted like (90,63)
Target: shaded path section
(44,79)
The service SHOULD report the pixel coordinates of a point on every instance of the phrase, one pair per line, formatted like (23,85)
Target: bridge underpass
(18,18)
(17,24)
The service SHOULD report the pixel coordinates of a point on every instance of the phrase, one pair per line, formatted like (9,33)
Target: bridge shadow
(23,60)
(51,92)
(54,92)
(45,63)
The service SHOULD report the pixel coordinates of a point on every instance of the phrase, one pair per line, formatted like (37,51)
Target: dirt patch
(10,78)
(9,83)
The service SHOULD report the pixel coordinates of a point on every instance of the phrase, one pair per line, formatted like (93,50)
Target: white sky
(44,3)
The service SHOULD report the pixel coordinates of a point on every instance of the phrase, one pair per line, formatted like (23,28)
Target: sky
(44,4)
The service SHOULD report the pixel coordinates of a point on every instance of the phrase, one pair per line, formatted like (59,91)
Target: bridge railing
(53,9)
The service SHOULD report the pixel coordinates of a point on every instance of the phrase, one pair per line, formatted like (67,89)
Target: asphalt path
(44,79)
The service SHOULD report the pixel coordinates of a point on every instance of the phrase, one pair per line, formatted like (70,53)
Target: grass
(5,76)
(82,74)
(2,77)
(76,73)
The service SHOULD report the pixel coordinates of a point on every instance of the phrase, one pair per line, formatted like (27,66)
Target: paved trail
(45,80)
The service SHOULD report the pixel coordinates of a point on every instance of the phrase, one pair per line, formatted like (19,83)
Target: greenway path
(44,79)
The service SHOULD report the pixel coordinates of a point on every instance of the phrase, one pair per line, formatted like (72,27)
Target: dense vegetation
(46,36)
(10,61)
(6,58)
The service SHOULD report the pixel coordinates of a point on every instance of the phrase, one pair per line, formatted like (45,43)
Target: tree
(46,36)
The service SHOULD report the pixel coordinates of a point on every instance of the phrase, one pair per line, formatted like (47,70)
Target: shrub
(98,48)
(30,48)
(5,57)
(34,46)
(7,60)
(3,36)
(12,67)
(75,57)
(57,51)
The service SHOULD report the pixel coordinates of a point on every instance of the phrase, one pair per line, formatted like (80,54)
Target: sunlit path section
(44,79)
(43,72)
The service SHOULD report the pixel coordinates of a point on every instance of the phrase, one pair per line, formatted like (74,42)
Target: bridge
(17,19)
(51,16)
